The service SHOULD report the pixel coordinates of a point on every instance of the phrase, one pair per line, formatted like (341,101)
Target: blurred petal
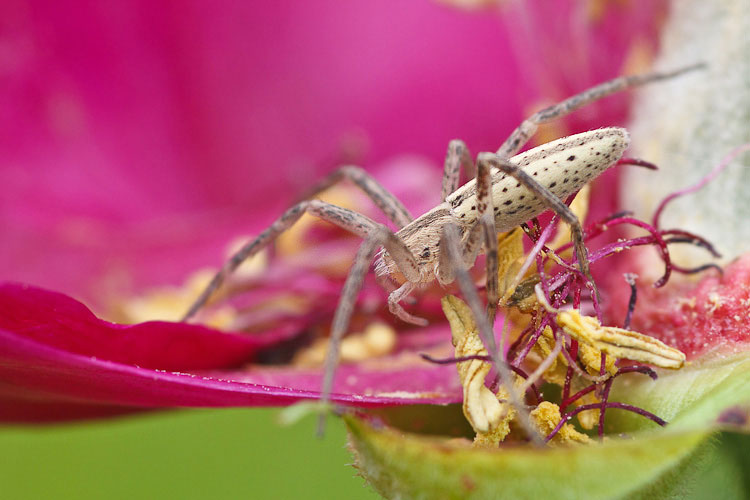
(56,355)
(115,134)
(226,107)
(64,324)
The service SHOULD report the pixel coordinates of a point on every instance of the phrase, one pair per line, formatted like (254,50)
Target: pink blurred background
(136,139)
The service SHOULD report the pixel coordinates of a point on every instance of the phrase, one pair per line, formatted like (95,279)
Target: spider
(506,190)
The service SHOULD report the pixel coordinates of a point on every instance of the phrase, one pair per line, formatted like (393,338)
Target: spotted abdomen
(562,166)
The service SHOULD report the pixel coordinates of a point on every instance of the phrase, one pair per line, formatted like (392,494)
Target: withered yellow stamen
(618,342)
(481,407)
(546,416)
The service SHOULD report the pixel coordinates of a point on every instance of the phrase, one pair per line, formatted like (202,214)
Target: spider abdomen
(562,166)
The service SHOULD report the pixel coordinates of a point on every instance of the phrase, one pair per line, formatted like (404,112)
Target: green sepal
(638,460)
(691,398)
(401,465)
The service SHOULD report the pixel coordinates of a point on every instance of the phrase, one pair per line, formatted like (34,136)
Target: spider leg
(352,221)
(528,127)
(384,199)
(397,310)
(486,220)
(552,202)
(483,230)
(342,316)
(378,236)
(457,156)
(450,245)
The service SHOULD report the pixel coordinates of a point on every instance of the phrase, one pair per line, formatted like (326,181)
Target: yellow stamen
(546,416)
(617,342)
(489,414)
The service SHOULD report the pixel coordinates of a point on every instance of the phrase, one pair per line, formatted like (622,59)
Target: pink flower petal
(235,108)
(57,356)
(59,322)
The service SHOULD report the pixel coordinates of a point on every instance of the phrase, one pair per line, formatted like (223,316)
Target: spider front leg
(341,319)
(349,220)
(374,234)
(384,199)
(528,127)
(378,236)
(458,156)
(485,205)
(394,306)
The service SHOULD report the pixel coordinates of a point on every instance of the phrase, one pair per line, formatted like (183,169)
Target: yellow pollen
(169,303)
(377,340)
(546,416)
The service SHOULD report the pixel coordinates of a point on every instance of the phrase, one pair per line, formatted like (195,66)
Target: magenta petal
(39,379)
(58,361)
(31,411)
(36,372)
(119,118)
(63,323)
(396,379)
